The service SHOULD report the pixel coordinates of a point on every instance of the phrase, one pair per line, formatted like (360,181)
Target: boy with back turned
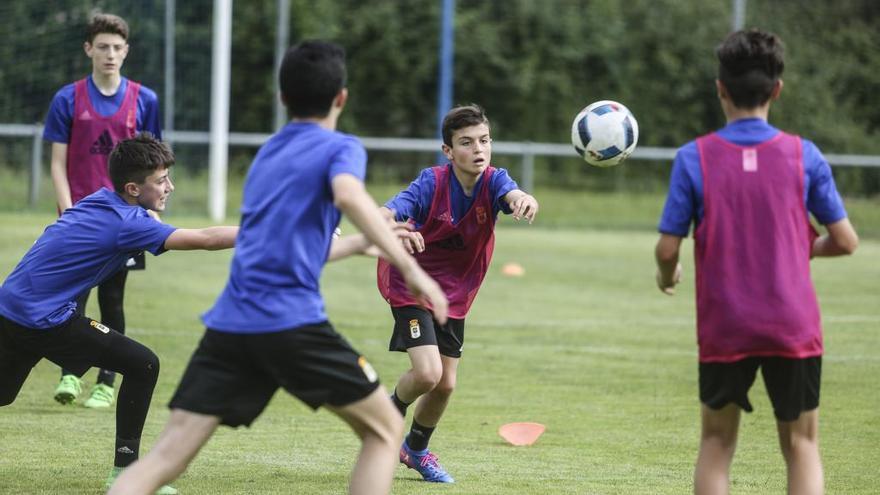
(749,189)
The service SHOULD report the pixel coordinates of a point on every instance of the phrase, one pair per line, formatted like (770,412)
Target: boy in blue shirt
(91,241)
(268,329)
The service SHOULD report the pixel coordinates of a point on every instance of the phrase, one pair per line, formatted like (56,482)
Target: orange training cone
(521,433)
(513,270)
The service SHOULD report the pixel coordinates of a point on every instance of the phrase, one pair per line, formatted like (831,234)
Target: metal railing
(526,150)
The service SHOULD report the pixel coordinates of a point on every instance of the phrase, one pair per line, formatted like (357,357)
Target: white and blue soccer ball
(604,133)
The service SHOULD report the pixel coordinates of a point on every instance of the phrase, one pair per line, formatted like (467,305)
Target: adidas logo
(103,145)
(85,115)
(124,450)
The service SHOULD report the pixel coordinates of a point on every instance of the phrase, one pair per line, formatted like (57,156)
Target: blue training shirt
(684,203)
(87,244)
(414,202)
(60,116)
(287,222)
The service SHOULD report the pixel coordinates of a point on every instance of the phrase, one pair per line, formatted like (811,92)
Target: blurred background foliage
(532,64)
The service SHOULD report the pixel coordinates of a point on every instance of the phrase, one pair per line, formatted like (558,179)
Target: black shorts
(415,326)
(136,262)
(76,345)
(233,375)
(792,384)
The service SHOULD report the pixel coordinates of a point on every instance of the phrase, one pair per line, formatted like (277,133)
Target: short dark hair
(106,23)
(311,75)
(133,159)
(460,117)
(749,64)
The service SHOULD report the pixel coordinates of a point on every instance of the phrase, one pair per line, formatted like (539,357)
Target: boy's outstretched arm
(209,238)
(345,246)
(840,240)
(353,200)
(348,245)
(523,205)
(668,267)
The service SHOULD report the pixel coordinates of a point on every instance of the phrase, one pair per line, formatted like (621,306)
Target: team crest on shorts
(369,372)
(415,331)
(100,327)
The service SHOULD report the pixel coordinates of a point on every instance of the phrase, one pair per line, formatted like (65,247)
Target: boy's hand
(668,286)
(524,206)
(413,242)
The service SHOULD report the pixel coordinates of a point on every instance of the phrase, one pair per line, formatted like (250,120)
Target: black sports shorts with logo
(234,375)
(415,326)
(792,384)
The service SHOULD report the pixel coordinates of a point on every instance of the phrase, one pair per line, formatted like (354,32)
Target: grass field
(583,343)
(560,208)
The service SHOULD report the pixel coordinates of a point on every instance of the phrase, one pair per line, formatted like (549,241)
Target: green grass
(560,208)
(583,343)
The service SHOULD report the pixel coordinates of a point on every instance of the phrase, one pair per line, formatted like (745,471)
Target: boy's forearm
(209,238)
(667,267)
(666,253)
(58,169)
(375,229)
(349,245)
(824,246)
(363,212)
(841,240)
(221,237)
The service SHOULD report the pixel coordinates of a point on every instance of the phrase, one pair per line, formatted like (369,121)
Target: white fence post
(36,165)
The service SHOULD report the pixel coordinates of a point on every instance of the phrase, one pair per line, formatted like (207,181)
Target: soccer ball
(604,133)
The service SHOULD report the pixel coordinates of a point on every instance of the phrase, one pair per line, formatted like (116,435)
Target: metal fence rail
(526,150)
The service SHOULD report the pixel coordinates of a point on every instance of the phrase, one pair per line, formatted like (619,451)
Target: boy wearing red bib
(749,189)
(453,208)
(86,120)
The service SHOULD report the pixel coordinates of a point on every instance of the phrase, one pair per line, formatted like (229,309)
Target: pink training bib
(457,256)
(92,138)
(752,249)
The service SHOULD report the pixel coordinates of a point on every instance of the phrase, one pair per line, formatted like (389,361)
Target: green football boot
(68,389)
(101,397)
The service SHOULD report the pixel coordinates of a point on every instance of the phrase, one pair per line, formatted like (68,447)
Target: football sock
(399,404)
(126,451)
(419,436)
(106,377)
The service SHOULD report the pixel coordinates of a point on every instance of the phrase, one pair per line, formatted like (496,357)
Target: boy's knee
(383,426)
(798,444)
(427,379)
(152,365)
(147,368)
(390,429)
(723,438)
(445,387)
